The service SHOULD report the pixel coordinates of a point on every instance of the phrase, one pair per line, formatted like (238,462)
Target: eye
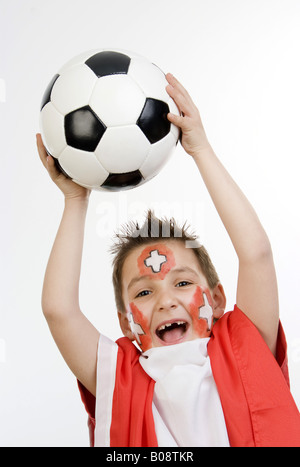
(183,284)
(143,293)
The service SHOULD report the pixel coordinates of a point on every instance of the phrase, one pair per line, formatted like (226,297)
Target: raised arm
(257,294)
(75,336)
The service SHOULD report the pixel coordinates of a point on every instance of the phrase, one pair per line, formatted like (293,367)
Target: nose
(166,301)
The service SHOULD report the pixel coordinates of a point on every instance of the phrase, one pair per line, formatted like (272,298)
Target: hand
(193,138)
(69,188)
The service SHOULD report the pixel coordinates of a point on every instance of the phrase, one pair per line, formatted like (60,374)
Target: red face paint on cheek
(140,327)
(201,312)
(156,261)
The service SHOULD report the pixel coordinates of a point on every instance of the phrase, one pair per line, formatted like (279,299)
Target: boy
(195,383)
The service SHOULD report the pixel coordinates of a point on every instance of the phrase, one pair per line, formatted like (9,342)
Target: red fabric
(253,387)
(132,419)
(254,390)
(89,402)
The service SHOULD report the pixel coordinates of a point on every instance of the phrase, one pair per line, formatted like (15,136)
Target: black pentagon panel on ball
(153,120)
(47,94)
(123,180)
(108,63)
(83,129)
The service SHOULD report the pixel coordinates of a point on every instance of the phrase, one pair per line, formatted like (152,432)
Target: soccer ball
(104,120)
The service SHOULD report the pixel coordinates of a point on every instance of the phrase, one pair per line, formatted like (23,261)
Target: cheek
(140,328)
(201,312)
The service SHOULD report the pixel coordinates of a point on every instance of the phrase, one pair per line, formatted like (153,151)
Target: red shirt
(258,407)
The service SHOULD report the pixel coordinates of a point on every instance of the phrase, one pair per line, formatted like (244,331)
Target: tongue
(173,335)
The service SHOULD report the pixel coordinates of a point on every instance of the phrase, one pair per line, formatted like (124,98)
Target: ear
(125,326)
(219,301)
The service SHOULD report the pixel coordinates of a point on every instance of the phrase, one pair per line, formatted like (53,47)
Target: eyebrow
(135,280)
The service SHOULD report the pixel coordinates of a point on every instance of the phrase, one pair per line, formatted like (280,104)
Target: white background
(239,59)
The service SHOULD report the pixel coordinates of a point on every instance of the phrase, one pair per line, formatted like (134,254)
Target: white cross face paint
(139,327)
(155,261)
(201,311)
(136,328)
(205,311)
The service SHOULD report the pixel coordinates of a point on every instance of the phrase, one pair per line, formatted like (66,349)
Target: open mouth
(172,332)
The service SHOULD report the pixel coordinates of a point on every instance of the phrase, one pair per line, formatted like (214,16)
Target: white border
(106,375)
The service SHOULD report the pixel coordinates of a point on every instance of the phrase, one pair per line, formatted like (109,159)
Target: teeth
(167,325)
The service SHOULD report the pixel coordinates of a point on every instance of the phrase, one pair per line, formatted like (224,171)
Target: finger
(41,149)
(176,120)
(181,96)
(52,168)
(179,87)
(182,100)
(184,105)
(176,84)
(46,159)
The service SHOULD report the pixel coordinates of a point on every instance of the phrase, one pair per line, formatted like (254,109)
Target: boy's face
(166,296)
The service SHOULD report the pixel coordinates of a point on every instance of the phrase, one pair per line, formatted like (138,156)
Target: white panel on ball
(52,128)
(117,100)
(150,78)
(83,166)
(78,60)
(123,149)
(157,156)
(73,89)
